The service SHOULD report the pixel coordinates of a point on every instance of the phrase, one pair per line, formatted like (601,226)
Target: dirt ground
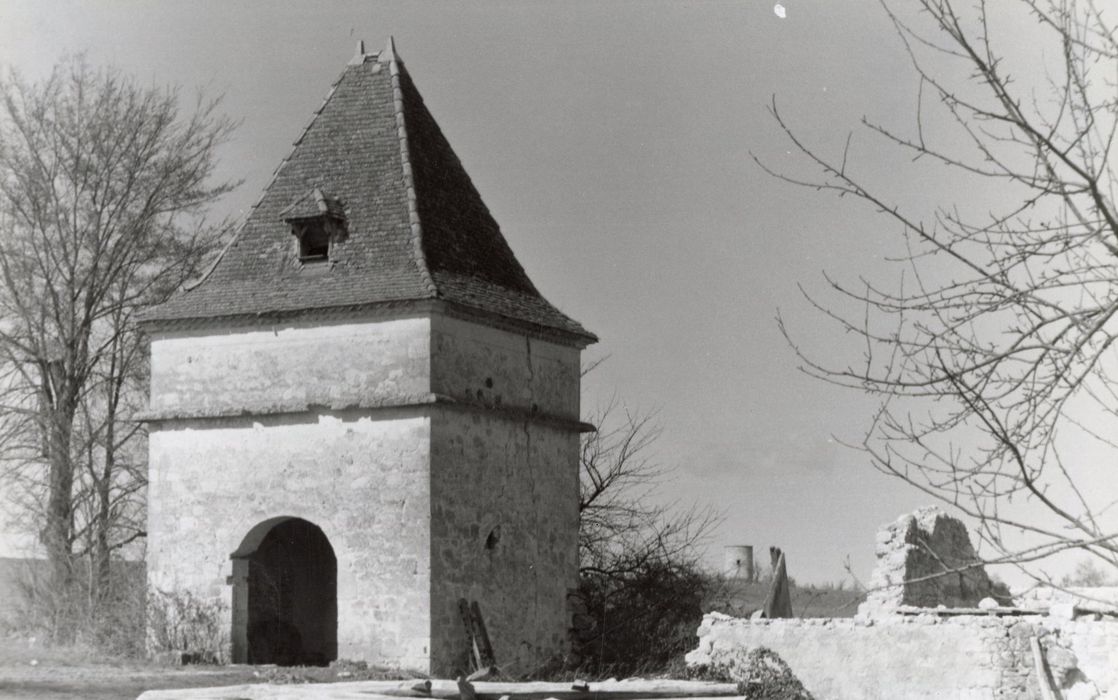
(30,672)
(105,682)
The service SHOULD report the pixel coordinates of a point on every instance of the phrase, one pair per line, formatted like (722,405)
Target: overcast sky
(612,142)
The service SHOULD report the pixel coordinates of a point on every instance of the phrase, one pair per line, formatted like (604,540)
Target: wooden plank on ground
(310,691)
(952,612)
(393,690)
(604,690)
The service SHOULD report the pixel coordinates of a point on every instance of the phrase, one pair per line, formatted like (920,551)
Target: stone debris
(765,676)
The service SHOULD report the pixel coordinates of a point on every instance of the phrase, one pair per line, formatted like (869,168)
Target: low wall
(920,656)
(15,576)
(20,576)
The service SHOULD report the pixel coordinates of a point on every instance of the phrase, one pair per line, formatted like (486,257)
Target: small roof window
(317,221)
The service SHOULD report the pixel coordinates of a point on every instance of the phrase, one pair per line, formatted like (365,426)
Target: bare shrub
(111,620)
(187,625)
(640,591)
(637,622)
(1088,574)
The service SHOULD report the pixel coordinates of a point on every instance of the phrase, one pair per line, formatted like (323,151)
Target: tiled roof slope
(448,247)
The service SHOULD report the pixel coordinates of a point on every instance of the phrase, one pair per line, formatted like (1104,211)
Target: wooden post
(1041,668)
(239,637)
(485,649)
(778,602)
(471,637)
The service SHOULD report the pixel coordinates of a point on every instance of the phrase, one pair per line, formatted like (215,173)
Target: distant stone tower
(366,411)
(737,562)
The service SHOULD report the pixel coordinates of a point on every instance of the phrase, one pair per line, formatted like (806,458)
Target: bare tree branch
(103,186)
(993,352)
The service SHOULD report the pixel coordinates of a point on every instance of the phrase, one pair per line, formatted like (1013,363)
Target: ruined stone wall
(504,493)
(923,656)
(906,642)
(363,479)
(913,555)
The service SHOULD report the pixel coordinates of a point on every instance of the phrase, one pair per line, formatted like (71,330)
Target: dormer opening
(317,221)
(314,240)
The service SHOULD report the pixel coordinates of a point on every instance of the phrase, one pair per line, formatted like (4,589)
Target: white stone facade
(436,454)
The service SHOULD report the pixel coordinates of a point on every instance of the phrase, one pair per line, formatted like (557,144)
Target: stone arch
(285,595)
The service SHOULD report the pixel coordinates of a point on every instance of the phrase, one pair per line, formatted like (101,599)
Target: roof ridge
(389,56)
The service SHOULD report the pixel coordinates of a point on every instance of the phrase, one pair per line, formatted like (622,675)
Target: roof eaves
(156,322)
(574,335)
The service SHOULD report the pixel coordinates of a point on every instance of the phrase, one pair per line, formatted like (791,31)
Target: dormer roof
(313,204)
(417,229)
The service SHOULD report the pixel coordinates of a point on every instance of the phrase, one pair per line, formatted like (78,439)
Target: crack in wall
(532,478)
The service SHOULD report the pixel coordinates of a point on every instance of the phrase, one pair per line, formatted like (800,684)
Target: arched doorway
(285,595)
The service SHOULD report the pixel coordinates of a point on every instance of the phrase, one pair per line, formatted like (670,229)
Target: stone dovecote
(366,411)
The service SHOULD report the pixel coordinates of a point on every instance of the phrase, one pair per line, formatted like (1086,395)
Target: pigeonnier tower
(366,412)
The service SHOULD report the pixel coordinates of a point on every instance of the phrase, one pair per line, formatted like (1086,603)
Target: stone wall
(504,493)
(920,633)
(504,534)
(15,576)
(290,366)
(925,559)
(438,456)
(922,656)
(362,479)
(502,370)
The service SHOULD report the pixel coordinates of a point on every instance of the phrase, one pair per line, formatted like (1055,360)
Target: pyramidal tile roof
(416,229)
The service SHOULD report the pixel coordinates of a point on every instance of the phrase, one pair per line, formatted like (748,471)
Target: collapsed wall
(929,629)
(921,656)
(925,559)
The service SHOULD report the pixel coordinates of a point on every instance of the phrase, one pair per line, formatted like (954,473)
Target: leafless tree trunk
(102,186)
(992,352)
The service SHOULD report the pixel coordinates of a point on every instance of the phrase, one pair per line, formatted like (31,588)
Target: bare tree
(641,585)
(102,186)
(620,528)
(992,352)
